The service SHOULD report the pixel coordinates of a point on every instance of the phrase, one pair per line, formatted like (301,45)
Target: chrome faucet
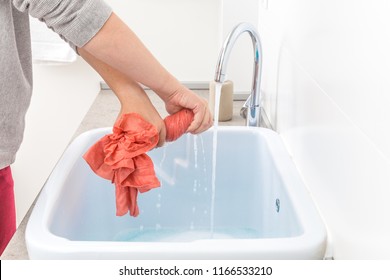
(253,103)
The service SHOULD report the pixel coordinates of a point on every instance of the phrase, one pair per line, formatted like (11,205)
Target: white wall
(326,82)
(182,34)
(187,35)
(240,65)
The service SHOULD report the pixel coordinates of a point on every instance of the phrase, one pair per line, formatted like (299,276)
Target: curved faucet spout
(253,103)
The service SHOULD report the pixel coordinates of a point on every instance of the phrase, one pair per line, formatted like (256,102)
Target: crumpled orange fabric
(121,156)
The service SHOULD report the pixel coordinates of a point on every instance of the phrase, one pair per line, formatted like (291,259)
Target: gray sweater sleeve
(76,21)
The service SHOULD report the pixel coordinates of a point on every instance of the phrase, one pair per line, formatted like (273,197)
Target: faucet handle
(244,108)
(243,111)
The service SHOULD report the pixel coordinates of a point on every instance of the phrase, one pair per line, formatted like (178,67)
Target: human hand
(185,98)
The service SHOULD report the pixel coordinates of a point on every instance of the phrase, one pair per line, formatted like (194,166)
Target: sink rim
(39,236)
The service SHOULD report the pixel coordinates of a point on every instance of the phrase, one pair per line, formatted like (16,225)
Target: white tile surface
(326,69)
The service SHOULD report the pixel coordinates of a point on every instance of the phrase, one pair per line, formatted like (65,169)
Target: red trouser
(7,208)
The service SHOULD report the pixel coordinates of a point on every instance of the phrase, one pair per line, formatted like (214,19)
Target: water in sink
(182,235)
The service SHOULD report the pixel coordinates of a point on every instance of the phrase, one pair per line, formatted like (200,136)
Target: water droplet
(195,151)
(195,185)
(163,156)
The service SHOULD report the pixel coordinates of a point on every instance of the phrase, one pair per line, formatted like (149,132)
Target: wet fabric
(177,124)
(121,156)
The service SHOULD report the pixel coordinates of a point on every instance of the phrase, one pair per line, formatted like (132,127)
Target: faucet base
(264,120)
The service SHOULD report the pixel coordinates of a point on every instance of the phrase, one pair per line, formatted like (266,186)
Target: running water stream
(218,87)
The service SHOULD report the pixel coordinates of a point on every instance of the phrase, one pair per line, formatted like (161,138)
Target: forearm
(116,45)
(132,97)
(118,83)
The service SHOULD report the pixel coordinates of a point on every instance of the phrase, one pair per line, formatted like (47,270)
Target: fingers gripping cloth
(121,156)
(176,125)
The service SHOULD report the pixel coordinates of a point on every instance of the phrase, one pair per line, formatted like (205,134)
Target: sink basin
(261,208)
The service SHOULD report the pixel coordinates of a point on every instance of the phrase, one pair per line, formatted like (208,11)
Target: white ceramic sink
(262,208)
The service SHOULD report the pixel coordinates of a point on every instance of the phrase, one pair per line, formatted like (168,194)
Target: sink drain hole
(277,204)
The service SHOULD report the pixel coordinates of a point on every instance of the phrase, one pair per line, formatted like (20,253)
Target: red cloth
(177,124)
(121,156)
(7,208)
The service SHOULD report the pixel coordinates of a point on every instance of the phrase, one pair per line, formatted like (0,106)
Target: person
(98,35)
